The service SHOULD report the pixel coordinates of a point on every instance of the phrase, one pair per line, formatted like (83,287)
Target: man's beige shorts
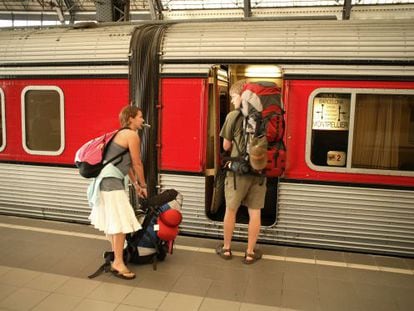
(250,191)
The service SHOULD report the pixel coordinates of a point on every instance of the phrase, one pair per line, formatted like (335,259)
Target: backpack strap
(242,155)
(244,135)
(118,155)
(106,267)
(262,124)
(157,250)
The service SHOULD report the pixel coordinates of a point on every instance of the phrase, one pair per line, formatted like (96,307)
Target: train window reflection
(383,132)
(43,120)
(2,122)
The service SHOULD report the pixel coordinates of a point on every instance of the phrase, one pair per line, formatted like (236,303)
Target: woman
(111,211)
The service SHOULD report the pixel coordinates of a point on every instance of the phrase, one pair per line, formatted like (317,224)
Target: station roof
(46,12)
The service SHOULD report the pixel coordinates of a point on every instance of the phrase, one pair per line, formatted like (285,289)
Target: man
(249,189)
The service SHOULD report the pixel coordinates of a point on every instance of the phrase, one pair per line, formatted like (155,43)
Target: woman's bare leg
(118,241)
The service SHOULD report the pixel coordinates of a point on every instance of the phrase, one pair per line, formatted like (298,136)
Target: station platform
(44,266)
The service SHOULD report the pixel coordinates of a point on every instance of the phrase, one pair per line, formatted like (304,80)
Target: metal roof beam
(346,13)
(112,10)
(121,10)
(58,7)
(72,8)
(156,8)
(247,8)
(42,3)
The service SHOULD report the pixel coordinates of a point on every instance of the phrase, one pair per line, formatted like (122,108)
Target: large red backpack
(264,116)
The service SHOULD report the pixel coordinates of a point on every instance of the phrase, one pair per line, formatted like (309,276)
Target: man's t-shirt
(232,130)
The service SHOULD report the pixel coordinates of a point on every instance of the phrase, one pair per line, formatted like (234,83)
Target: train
(347,88)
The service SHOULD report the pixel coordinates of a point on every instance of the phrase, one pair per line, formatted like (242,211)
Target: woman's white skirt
(114,214)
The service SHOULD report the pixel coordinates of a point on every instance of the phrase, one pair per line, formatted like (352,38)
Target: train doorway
(220,80)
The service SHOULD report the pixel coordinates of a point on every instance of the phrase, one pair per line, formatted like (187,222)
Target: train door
(219,105)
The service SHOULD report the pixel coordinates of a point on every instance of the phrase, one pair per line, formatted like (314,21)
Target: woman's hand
(141,191)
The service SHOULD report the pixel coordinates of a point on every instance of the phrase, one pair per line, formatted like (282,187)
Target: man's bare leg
(229,223)
(254,229)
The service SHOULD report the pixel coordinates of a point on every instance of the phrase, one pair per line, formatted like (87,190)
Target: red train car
(347,90)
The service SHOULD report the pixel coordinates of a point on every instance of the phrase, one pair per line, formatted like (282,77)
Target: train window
(361,131)
(330,129)
(382,132)
(2,122)
(42,120)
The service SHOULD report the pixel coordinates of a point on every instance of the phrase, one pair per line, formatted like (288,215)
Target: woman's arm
(136,173)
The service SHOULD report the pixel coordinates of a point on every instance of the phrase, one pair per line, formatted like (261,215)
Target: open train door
(219,106)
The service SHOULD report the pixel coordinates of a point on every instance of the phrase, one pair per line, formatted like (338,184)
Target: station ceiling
(15,12)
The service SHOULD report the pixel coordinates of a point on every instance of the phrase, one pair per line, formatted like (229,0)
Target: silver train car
(341,188)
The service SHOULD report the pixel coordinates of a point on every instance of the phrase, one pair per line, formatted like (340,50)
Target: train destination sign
(331,114)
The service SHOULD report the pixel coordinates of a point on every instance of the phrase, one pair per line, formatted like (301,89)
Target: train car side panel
(183,127)
(296,105)
(91,108)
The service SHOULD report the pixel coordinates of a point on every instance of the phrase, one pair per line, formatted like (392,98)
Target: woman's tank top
(123,164)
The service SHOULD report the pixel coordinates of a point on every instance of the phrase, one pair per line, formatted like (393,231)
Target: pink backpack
(90,157)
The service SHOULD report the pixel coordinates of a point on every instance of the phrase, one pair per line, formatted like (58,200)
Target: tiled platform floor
(44,266)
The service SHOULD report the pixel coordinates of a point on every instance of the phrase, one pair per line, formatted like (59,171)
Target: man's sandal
(224,253)
(253,257)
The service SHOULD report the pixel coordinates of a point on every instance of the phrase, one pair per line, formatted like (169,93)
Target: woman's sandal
(254,257)
(125,274)
(222,252)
